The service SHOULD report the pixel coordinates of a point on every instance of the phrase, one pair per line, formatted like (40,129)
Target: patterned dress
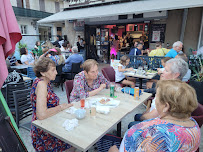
(162,136)
(41,140)
(81,88)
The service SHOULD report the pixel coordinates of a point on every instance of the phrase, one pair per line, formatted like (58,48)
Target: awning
(135,7)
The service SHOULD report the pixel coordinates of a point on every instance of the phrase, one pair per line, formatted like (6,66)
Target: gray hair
(178,65)
(178,43)
(75,49)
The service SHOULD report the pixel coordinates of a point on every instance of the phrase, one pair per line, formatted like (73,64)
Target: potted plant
(194,52)
(197,79)
(21,45)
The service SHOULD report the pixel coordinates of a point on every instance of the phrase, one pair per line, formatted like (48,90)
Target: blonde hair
(123,59)
(88,64)
(181,97)
(61,58)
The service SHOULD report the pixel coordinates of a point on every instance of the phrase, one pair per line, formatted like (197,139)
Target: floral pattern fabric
(55,58)
(41,140)
(81,88)
(160,135)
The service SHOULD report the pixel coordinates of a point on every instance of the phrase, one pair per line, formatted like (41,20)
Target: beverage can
(112,88)
(136,93)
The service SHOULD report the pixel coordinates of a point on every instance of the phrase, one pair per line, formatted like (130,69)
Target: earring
(164,111)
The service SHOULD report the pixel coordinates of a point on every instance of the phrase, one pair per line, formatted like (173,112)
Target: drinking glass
(82,101)
(145,68)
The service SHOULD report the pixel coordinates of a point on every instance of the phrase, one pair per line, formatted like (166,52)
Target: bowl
(80,113)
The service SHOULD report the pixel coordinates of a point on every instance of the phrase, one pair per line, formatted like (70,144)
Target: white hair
(178,43)
(75,49)
(178,65)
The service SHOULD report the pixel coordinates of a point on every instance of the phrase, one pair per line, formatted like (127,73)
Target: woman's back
(160,135)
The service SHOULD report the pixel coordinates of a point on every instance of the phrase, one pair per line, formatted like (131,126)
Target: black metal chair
(58,78)
(9,93)
(75,69)
(23,107)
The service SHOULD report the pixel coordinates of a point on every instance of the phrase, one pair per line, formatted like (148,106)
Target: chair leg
(62,86)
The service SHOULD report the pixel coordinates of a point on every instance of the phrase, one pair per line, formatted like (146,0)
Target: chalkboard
(9,138)
(158,27)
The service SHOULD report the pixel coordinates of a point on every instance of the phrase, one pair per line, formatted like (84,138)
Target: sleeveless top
(41,140)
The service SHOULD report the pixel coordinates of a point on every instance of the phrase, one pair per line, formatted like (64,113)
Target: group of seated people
(163,127)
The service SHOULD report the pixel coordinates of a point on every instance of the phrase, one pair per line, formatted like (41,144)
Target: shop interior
(102,38)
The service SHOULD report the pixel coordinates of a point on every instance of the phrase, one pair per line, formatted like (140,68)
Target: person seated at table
(45,103)
(177,48)
(61,58)
(136,51)
(74,58)
(26,58)
(12,59)
(151,83)
(88,82)
(134,46)
(174,129)
(119,76)
(64,47)
(159,51)
(175,69)
(187,76)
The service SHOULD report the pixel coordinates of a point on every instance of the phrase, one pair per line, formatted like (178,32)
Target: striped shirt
(12,60)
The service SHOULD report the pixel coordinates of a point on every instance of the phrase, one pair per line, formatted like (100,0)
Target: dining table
(141,76)
(91,129)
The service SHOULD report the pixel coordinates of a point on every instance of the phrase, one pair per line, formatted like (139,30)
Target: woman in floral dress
(45,103)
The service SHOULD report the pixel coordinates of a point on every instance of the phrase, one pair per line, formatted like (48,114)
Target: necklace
(177,120)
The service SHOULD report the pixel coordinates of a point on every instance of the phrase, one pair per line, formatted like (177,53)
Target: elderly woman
(74,58)
(26,58)
(88,82)
(45,103)
(175,69)
(174,129)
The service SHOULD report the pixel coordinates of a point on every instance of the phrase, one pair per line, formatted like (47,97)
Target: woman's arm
(123,70)
(113,149)
(94,92)
(42,111)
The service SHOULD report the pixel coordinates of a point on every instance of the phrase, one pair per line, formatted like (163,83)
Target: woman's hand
(65,106)
(113,149)
(129,69)
(102,86)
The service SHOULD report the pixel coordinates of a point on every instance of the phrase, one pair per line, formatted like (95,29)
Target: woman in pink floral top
(88,82)
(174,130)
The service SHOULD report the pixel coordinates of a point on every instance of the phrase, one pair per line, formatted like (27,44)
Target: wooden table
(133,74)
(90,130)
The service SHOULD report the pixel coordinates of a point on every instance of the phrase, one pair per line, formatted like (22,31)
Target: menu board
(114,63)
(157,33)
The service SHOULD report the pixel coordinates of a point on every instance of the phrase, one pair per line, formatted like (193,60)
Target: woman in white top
(119,76)
(26,58)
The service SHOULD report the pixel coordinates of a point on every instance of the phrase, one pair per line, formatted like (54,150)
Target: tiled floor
(62,95)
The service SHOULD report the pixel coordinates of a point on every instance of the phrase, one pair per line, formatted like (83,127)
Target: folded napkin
(102,109)
(71,110)
(70,124)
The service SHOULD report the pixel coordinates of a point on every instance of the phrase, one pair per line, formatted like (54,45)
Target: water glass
(145,68)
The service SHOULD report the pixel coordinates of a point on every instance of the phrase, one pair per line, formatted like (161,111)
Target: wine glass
(145,69)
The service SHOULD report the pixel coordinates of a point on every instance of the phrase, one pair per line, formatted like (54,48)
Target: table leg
(140,86)
(119,129)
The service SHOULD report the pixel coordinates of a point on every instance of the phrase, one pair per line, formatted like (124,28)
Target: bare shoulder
(41,86)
